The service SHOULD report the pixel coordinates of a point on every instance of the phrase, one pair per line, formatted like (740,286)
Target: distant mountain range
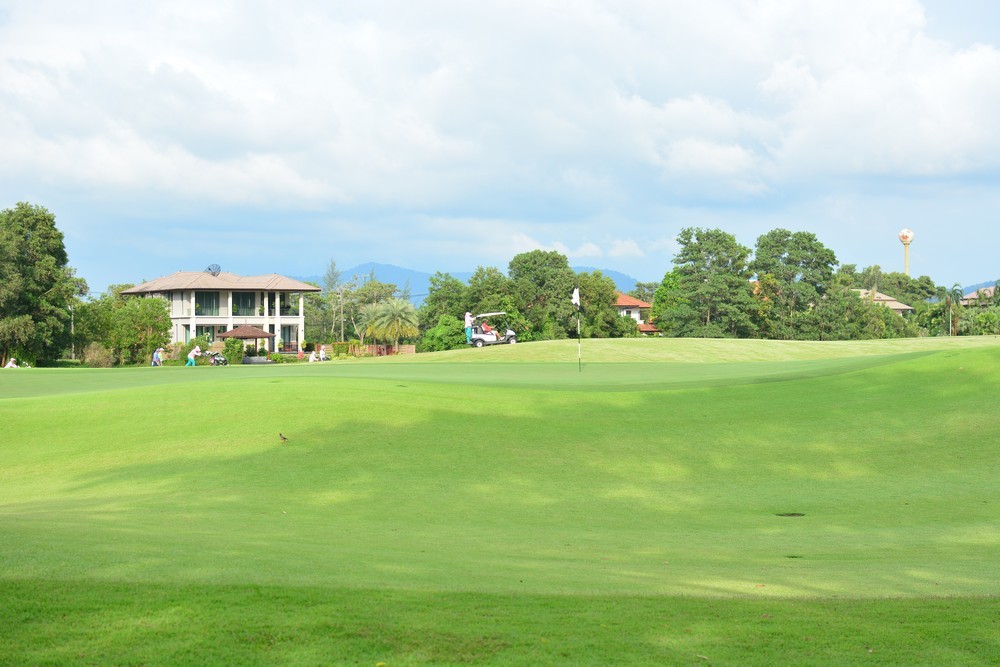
(417,283)
(972,288)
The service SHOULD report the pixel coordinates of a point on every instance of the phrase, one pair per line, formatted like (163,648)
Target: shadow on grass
(425,486)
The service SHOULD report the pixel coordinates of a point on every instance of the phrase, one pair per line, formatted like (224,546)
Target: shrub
(340,349)
(96,355)
(232,350)
(449,334)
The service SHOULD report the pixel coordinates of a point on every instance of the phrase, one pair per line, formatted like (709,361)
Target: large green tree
(139,326)
(489,290)
(446,296)
(543,283)
(802,270)
(714,283)
(667,299)
(37,287)
(321,317)
(599,317)
(130,328)
(644,291)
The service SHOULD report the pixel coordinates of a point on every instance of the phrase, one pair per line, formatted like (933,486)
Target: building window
(206,303)
(243,304)
(288,338)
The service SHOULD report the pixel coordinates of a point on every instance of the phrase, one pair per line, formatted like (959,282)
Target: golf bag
(216,359)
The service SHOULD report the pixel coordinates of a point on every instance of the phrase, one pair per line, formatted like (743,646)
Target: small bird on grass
(283,438)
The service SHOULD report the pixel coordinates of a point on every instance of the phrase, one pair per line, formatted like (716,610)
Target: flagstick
(575,300)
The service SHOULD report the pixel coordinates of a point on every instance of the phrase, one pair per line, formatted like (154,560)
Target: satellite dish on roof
(214,269)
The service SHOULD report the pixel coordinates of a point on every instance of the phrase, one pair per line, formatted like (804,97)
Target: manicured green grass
(509,509)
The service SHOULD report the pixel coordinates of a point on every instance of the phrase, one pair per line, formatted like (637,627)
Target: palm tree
(951,308)
(393,319)
(954,302)
(363,324)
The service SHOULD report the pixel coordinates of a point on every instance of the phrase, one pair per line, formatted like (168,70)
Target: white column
(277,319)
(230,325)
(194,318)
(267,322)
(302,320)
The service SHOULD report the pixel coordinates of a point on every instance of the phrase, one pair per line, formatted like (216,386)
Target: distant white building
(210,303)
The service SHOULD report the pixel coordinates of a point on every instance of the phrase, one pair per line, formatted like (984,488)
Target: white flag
(575,300)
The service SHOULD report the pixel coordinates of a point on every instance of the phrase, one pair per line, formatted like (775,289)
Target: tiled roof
(202,280)
(626,301)
(648,328)
(247,332)
(884,299)
(981,293)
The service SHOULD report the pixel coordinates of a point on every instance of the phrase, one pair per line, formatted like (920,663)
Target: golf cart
(483,333)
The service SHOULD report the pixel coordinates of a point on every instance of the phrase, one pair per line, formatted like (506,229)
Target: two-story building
(629,306)
(213,302)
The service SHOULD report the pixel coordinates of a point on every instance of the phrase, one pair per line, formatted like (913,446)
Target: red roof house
(629,306)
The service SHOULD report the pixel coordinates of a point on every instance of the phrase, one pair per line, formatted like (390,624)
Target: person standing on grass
(196,352)
(322,352)
(158,357)
(468,327)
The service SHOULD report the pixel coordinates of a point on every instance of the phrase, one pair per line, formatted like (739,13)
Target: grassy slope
(414,495)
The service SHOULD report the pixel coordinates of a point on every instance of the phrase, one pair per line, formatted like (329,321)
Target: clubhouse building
(212,302)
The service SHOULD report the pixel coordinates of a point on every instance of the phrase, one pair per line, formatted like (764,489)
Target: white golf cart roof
(481,315)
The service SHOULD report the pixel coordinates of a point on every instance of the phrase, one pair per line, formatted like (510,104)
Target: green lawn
(503,506)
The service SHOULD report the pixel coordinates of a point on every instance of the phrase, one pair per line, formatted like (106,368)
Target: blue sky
(446,135)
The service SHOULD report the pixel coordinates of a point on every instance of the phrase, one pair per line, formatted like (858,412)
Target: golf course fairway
(637,502)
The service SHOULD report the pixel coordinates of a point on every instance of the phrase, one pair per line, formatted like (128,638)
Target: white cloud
(533,122)
(402,106)
(624,248)
(700,157)
(790,81)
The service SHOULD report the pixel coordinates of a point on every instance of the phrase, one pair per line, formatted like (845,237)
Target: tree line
(534,293)
(789,286)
